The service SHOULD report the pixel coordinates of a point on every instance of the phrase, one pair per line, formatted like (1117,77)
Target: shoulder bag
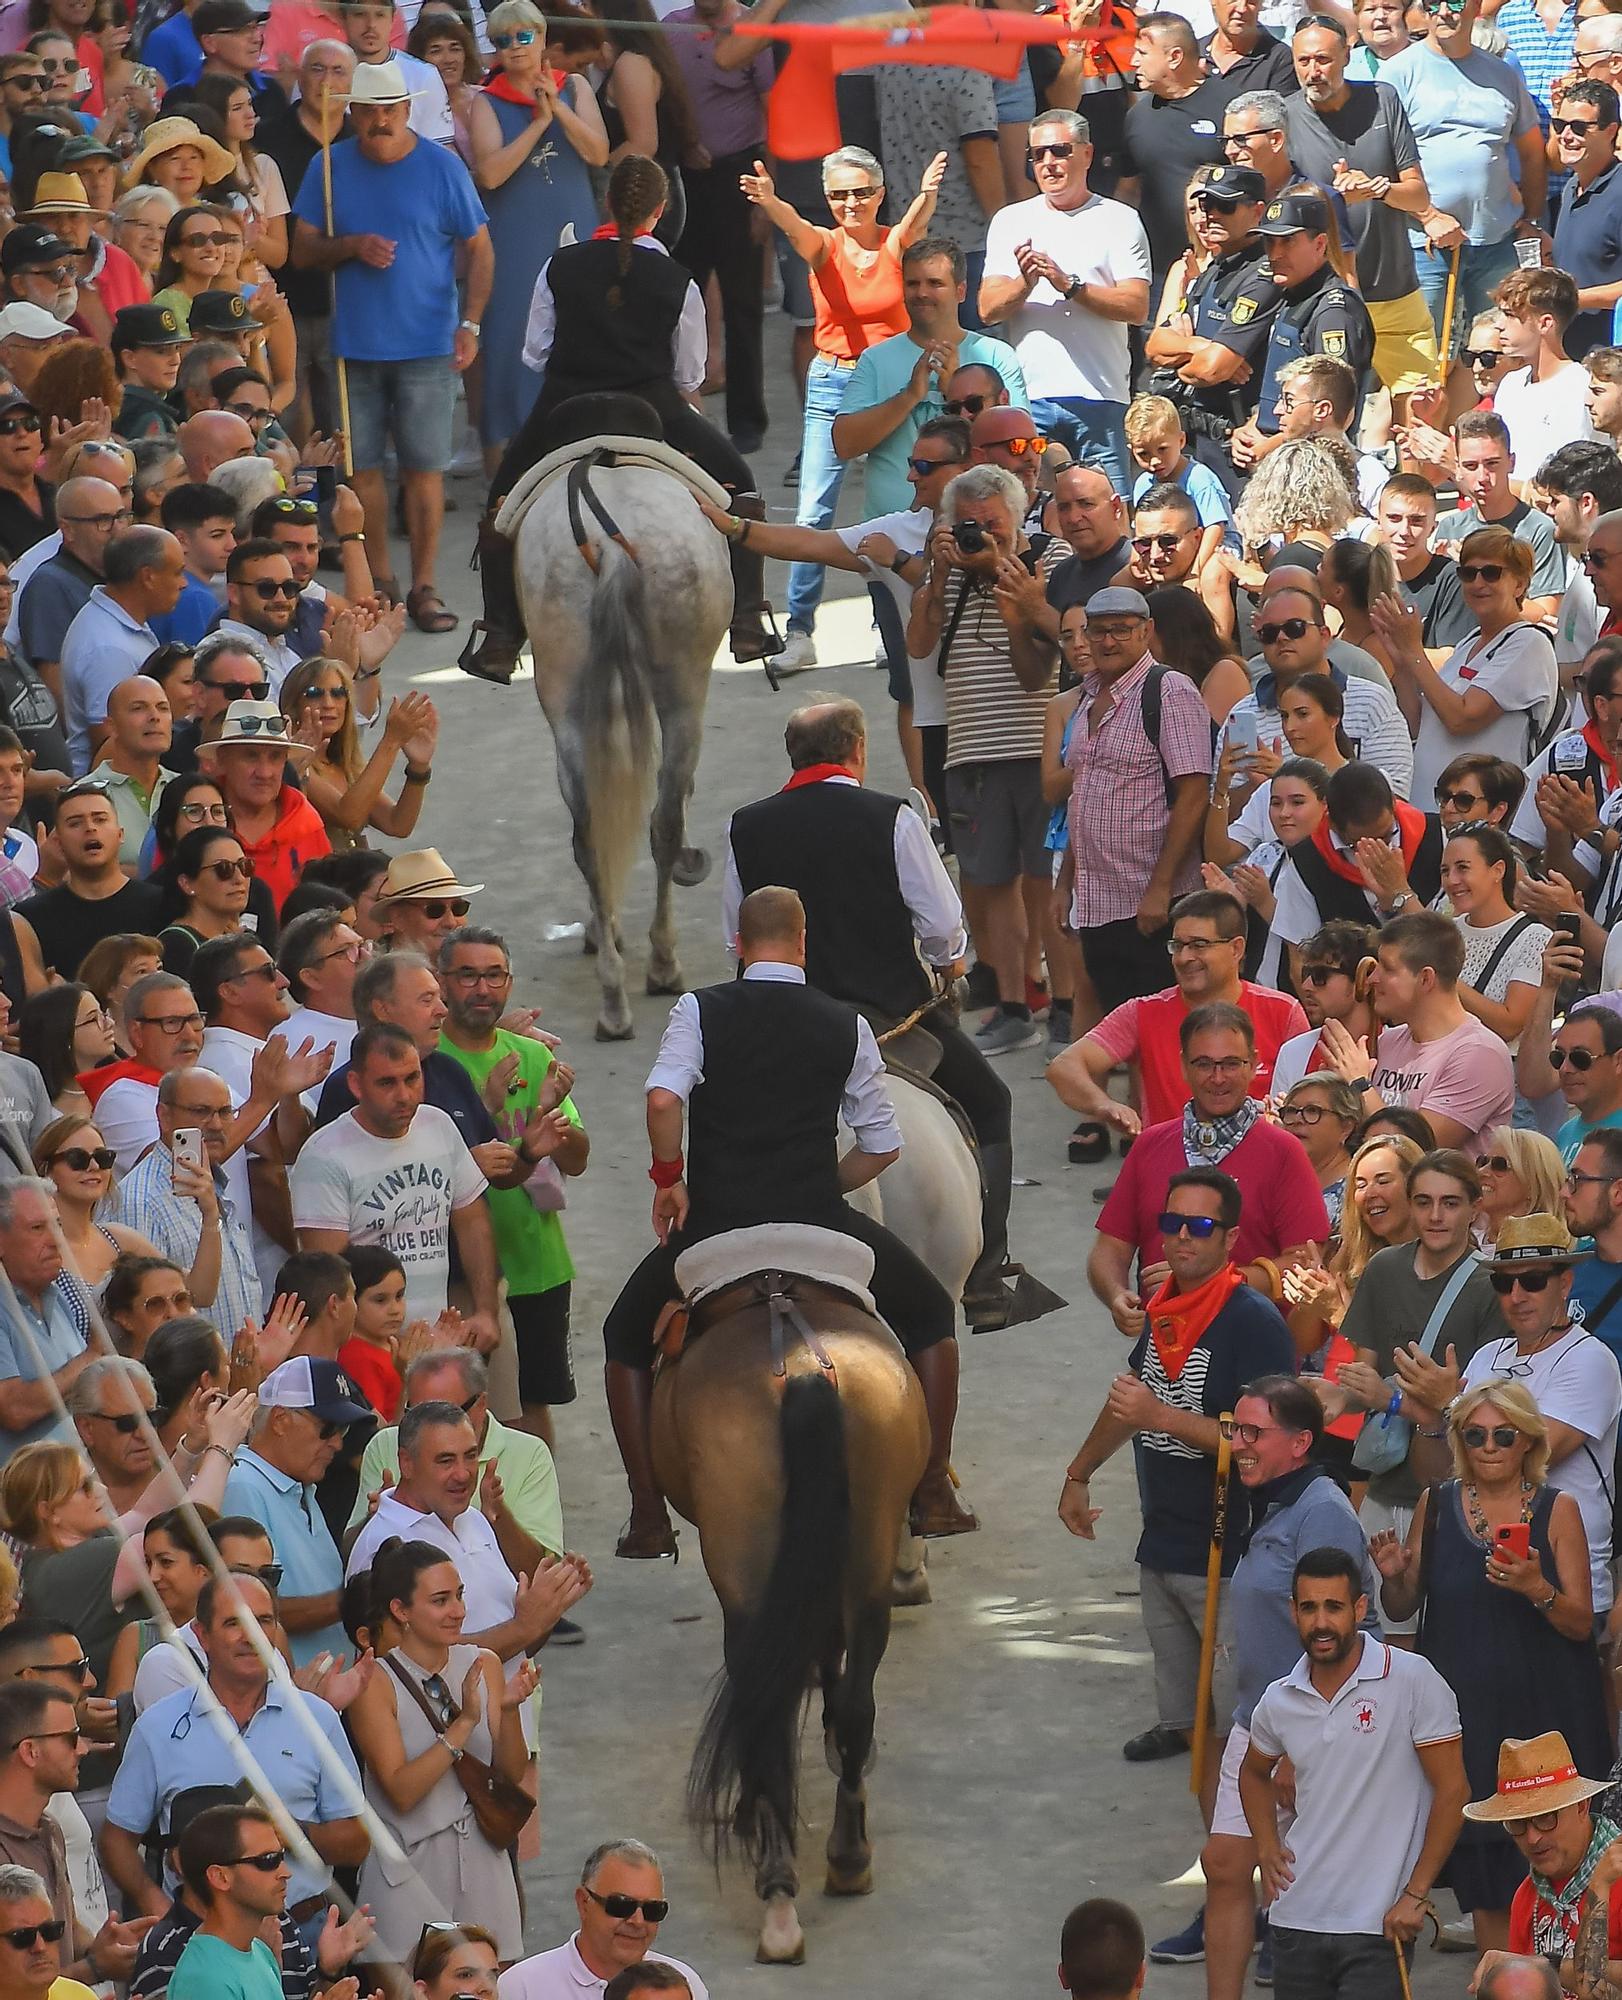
(500,1807)
(1384,1441)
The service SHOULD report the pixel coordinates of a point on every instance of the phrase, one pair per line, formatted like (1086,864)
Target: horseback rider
(763,1066)
(618,319)
(877,896)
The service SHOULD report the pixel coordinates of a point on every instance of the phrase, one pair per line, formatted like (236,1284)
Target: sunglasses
(457,907)
(1580,1059)
(1198,1226)
(1493,1163)
(1485,572)
(520,38)
(267,1864)
(1221,203)
(967,406)
(1481,357)
(269,1574)
(1320,975)
(921,468)
(262,725)
(79,1668)
(215,239)
(238,691)
(654,1908)
(126,1425)
(59,65)
(28,81)
(224,870)
(24,1937)
(1502,1435)
(267,587)
(837,195)
(25,420)
(1058,149)
(1504,1282)
(288,509)
(1517,1829)
(1019,446)
(1460,801)
(1596,558)
(1284,628)
(81,1157)
(1165,543)
(1562,125)
(250,413)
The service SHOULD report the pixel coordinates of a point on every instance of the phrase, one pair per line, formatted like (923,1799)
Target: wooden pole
(1402,1969)
(326,195)
(1447,315)
(1213,1602)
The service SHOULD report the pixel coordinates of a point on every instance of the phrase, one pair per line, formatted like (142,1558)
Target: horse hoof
(691,866)
(666,982)
(909,1588)
(782,1942)
(766,1956)
(615,1031)
(849,1882)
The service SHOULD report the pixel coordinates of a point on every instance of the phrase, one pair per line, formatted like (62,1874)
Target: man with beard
(1374,1737)
(261,602)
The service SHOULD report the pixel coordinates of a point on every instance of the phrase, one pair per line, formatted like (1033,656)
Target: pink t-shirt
(1468,1075)
(1282,1203)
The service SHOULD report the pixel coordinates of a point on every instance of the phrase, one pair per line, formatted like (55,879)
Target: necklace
(1476,1513)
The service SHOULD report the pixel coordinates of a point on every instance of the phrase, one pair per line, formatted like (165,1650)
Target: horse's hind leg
(614,1023)
(681,729)
(850,1852)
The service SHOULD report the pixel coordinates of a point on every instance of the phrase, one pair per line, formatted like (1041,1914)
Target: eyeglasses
(1481,357)
(265,971)
(1460,801)
(224,870)
(200,815)
(1485,572)
(1244,1433)
(1502,1435)
(433,911)
(1580,1059)
(1561,125)
(350,951)
(1056,149)
(1219,1065)
(238,691)
(24,420)
(105,522)
(127,1423)
(285,508)
(267,1863)
(23,1938)
(1302,1114)
(520,38)
(204,1113)
(214,239)
(171,1024)
(837,196)
(1242,139)
(1200,1227)
(654,1908)
(267,587)
(78,1158)
(1285,628)
(967,406)
(1320,975)
(467,976)
(58,274)
(1177,944)
(1165,543)
(1596,558)
(1517,1829)
(250,413)
(1504,1282)
(921,468)
(1575,1179)
(1019,446)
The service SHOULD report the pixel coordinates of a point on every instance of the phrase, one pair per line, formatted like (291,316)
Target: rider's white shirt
(562,1974)
(865,1105)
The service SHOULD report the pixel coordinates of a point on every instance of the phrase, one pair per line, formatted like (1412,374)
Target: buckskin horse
(791,1433)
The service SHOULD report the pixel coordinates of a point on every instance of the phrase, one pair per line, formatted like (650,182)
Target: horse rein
(581,492)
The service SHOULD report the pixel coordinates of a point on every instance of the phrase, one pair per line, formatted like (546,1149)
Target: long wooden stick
(1213,1603)
(1402,1969)
(326,195)
(1447,315)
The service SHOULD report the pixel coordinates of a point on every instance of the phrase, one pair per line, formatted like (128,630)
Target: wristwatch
(898,563)
(1360,1083)
(470,326)
(1072,288)
(1404,899)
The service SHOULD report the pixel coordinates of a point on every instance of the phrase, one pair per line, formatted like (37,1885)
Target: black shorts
(545,1353)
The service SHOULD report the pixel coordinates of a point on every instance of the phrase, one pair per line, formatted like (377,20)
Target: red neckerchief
(1591,737)
(1410,832)
(1178,1319)
(1612,625)
(605,232)
(94,1081)
(502,86)
(816,774)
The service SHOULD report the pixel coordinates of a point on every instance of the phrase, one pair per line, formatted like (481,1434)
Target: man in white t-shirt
(319,955)
(621,1903)
(395,1172)
(1571,1373)
(1068,272)
(1545,400)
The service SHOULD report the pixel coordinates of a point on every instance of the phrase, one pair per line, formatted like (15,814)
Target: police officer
(1320,312)
(1209,355)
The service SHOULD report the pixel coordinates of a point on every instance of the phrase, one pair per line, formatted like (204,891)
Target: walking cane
(1213,1594)
(1447,316)
(1402,1969)
(326,195)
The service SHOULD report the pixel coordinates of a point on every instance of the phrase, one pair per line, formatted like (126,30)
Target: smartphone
(187,1145)
(1570,926)
(1245,730)
(326,483)
(1514,1540)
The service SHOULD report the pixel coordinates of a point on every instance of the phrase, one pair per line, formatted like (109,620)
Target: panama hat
(257,725)
(1535,1240)
(424,873)
(165,135)
(379,83)
(1535,1776)
(61,194)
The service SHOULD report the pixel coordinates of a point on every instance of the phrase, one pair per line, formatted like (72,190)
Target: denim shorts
(411,401)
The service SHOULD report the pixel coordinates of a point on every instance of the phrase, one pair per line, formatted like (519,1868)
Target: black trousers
(684,429)
(717,238)
(964,1073)
(1124,964)
(911,1299)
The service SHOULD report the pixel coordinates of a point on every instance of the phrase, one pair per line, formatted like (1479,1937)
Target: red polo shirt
(1146,1032)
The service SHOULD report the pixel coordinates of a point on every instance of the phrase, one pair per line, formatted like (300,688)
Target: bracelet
(1549,1602)
(1274,1278)
(225,1452)
(666,1173)
(414,777)
(367,674)
(354,535)
(1074,1479)
(1394,1407)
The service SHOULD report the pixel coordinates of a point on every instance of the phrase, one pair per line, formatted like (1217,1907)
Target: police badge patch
(1334,342)
(1243,311)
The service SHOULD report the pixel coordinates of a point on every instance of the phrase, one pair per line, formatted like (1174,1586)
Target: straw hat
(1535,1775)
(61,194)
(1538,1240)
(165,135)
(424,873)
(257,725)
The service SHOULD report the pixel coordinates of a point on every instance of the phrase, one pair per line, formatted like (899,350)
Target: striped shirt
(1118,807)
(991,718)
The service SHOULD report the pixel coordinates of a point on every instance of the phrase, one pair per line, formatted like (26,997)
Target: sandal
(388,588)
(1088,1144)
(426,610)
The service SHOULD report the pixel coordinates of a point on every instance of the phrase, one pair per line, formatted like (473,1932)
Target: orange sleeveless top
(855,307)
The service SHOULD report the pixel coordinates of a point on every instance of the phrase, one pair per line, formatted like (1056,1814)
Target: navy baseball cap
(1231,183)
(1291,213)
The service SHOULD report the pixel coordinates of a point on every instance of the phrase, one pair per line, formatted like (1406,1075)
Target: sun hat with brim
(379,83)
(61,194)
(1541,1241)
(257,725)
(422,873)
(1535,1776)
(167,135)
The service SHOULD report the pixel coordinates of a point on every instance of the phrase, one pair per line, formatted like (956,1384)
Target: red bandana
(502,86)
(1178,1319)
(94,1081)
(1607,762)
(1410,831)
(816,774)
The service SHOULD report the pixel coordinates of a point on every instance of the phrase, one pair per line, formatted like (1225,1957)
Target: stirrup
(762,635)
(472,661)
(998,1307)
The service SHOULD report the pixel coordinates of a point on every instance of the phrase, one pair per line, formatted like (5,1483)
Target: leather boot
(495,656)
(937,1508)
(988,1303)
(754,634)
(630,1410)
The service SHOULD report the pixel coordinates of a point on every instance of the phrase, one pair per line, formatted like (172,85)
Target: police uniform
(143,413)
(1322,316)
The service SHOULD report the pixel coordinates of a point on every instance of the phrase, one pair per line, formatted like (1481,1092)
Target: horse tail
(612,709)
(746,1765)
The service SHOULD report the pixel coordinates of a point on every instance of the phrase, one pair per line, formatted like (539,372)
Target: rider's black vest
(835,845)
(763,1126)
(612,331)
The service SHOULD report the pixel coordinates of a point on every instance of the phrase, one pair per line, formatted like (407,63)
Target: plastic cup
(1529,252)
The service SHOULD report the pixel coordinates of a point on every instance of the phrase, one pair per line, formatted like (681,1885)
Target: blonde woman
(1522,1173)
(343,784)
(1506,1617)
(1299,493)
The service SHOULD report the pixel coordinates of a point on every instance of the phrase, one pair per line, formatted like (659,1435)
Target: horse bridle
(582,494)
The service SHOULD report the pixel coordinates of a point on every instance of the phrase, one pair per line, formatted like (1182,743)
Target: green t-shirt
(211,1969)
(533,1251)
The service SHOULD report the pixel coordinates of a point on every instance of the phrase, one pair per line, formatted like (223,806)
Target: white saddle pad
(826,1256)
(652,452)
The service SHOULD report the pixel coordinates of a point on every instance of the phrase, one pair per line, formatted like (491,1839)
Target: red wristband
(666,1173)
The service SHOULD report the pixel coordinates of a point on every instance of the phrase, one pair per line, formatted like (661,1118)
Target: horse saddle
(914,1056)
(605,450)
(770,1262)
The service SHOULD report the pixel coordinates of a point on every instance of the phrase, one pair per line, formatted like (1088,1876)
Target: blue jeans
(820,475)
(1094,432)
(1481,265)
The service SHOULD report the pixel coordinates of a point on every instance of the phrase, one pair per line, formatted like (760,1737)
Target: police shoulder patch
(1334,340)
(1243,310)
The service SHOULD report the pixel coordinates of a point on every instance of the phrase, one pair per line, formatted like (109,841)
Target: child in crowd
(1159,447)
(371,1354)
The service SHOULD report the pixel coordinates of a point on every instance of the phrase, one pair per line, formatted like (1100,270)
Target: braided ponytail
(637,189)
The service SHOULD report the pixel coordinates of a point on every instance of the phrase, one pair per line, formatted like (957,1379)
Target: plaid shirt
(1541,58)
(147,1202)
(1118,808)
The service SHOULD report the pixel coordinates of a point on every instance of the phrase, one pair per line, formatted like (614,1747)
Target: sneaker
(1262,1970)
(1184,1947)
(791,478)
(567,1633)
(1004,1033)
(1059,1027)
(799,654)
